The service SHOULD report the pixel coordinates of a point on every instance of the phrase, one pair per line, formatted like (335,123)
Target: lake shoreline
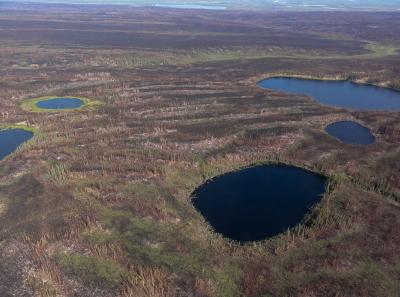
(336,92)
(281,165)
(338,78)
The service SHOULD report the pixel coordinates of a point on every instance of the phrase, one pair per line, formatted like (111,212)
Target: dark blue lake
(258,202)
(338,93)
(350,132)
(60,103)
(11,139)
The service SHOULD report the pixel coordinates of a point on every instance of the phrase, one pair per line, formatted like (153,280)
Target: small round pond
(344,94)
(11,139)
(60,103)
(350,132)
(258,202)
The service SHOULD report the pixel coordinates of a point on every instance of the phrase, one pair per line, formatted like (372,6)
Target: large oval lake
(11,139)
(258,202)
(60,103)
(344,94)
(350,132)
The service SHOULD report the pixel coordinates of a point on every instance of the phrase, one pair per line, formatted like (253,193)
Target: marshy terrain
(98,202)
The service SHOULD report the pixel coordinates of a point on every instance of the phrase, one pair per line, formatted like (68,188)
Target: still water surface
(11,139)
(350,132)
(338,93)
(258,202)
(60,103)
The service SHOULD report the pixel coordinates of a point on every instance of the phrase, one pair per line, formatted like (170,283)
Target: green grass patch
(150,243)
(98,271)
(226,281)
(57,173)
(19,126)
(386,282)
(145,59)
(379,50)
(31,104)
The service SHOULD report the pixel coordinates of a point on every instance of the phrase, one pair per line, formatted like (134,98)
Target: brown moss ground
(99,202)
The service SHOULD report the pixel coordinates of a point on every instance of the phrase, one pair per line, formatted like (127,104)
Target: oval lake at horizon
(259,202)
(350,132)
(60,103)
(11,139)
(344,94)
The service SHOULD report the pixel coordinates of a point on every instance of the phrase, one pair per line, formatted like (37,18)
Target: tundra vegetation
(98,202)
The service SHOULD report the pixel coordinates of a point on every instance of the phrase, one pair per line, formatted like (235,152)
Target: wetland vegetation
(99,202)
